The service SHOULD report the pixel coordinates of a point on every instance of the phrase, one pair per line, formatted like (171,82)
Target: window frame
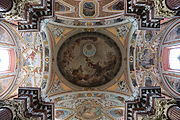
(166,58)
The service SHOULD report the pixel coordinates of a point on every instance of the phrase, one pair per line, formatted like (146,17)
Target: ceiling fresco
(30,68)
(90,57)
(142,52)
(89,12)
(88,8)
(89,105)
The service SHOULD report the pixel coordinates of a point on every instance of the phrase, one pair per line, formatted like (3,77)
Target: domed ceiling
(89,59)
(89,73)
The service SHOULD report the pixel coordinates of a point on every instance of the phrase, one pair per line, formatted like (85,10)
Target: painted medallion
(89,110)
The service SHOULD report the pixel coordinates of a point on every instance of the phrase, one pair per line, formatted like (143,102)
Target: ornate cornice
(144,12)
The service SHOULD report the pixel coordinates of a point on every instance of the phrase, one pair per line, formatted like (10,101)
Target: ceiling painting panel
(143,60)
(89,105)
(77,4)
(90,12)
(91,53)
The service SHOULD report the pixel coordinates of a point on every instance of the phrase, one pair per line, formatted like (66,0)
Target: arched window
(174,58)
(7,59)
(171,59)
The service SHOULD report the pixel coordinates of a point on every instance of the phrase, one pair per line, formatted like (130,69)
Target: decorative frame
(81,4)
